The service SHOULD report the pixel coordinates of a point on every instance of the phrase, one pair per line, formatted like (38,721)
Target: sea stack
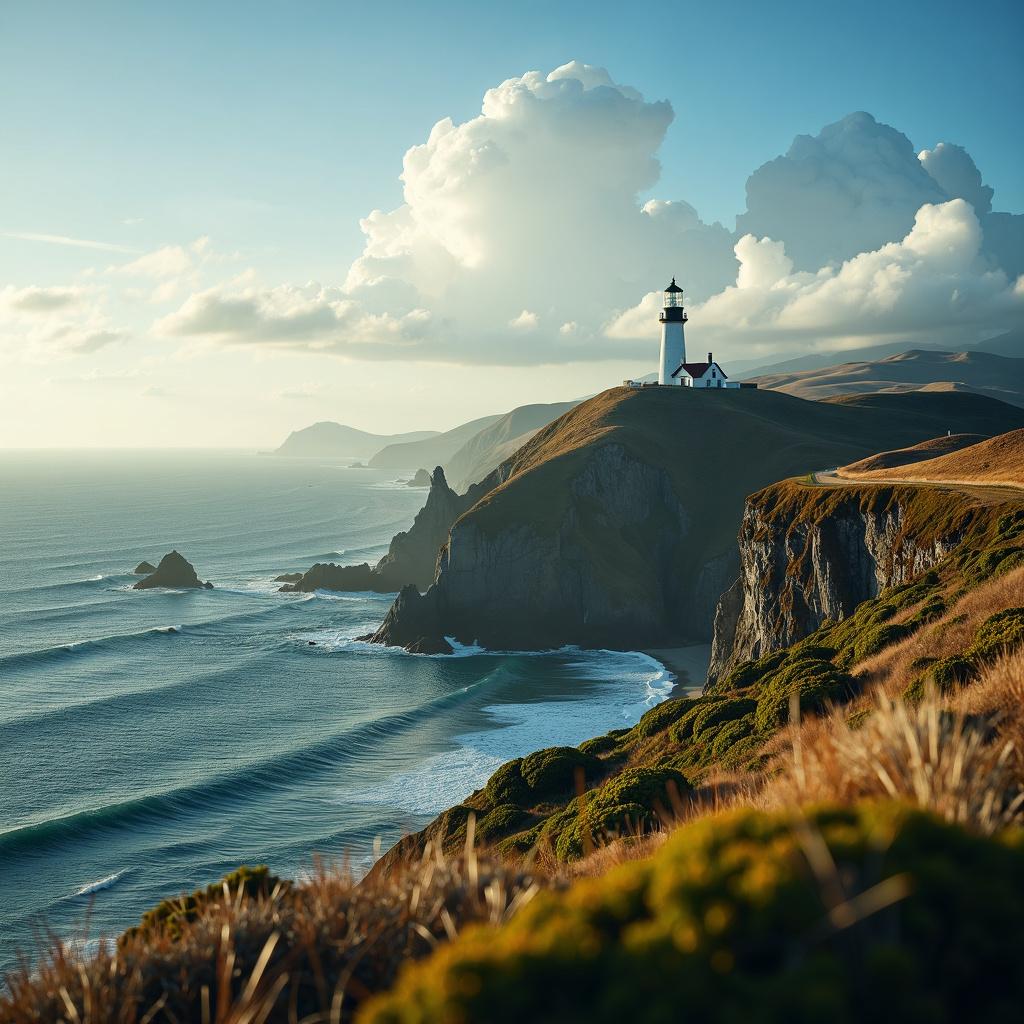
(143,569)
(174,571)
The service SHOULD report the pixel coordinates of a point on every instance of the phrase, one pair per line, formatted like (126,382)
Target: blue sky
(272,128)
(281,124)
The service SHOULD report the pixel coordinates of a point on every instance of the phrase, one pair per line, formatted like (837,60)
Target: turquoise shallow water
(151,741)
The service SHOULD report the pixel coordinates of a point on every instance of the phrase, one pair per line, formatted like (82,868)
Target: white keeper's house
(673,368)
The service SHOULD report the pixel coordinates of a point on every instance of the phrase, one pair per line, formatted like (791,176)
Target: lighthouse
(673,343)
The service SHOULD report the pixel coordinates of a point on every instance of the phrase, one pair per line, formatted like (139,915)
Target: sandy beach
(689,665)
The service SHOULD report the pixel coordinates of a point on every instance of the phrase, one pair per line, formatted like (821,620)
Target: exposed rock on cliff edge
(412,557)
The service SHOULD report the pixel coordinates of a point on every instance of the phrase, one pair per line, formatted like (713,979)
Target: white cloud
(931,284)
(78,243)
(313,317)
(37,323)
(568,328)
(169,261)
(955,172)
(851,188)
(526,321)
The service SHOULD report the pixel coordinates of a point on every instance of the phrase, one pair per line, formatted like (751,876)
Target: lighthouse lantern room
(673,342)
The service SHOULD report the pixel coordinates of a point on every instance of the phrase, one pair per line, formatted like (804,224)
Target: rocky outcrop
(538,585)
(810,554)
(143,569)
(174,571)
(412,556)
(420,479)
(615,526)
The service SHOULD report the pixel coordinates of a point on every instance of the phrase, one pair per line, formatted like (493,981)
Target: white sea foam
(102,883)
(632,683)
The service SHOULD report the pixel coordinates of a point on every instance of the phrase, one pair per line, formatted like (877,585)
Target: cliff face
(615,526)
(810,554)
(412,556)
(532,585)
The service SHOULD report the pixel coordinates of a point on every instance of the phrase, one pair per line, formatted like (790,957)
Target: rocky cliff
(412,556)
(811,554)
(615,526)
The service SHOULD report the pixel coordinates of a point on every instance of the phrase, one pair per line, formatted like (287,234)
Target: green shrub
(170,916)
(727,922)
(1003,631)
(730,734)
(555,770)
(506,785)
(716,712)
(661,716)
(499,822)
(599,744)
(817,683)
(627,802)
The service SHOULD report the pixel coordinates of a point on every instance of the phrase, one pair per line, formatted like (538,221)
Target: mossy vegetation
(170,917)
(728,921)
(566,798)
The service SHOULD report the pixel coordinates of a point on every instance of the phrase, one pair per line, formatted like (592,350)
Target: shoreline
(689,664)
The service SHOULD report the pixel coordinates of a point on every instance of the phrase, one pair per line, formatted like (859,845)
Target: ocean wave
(519,729)
(277,772)
(100,884)
(73,647)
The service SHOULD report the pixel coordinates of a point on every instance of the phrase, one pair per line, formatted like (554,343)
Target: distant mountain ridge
(430,451)
(327,439)
(983,373)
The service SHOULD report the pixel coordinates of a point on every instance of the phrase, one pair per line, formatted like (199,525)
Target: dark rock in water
(173,571)
(288,577)
(421,479)
(430,645)
(412,557)
(144,569)
(359,465)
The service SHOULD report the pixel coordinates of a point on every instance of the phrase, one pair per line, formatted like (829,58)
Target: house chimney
(710,360)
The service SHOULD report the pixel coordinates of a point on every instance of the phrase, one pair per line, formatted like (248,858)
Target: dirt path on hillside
(831,478)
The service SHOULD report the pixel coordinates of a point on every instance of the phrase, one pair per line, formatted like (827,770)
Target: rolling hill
(428,452)
(335,440)
(994,460)
(984,373)
(491,446)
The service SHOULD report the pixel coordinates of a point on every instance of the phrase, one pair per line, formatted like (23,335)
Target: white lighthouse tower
(673,343)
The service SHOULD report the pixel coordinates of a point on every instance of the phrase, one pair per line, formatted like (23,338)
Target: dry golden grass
(303,953)
(962,767)
(892,668)
(999,460)
(922,452)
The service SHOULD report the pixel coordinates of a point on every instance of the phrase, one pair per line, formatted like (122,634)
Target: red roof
(698,369)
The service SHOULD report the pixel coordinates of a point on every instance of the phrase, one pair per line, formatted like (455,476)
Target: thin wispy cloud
(78,243)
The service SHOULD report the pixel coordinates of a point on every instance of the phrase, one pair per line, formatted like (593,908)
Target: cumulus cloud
(526,321)
(287,317)
(38,322)
(931,284)
(522,238)
(519,220)
(853,187)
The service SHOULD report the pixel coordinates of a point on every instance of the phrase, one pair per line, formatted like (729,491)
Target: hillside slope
(615,526)
(430,451)
(483,453)
(914,454)
(996,376)
(335,440)
(994,460)
(832,579)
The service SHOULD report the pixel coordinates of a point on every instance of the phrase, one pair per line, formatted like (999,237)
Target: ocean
(152,741)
